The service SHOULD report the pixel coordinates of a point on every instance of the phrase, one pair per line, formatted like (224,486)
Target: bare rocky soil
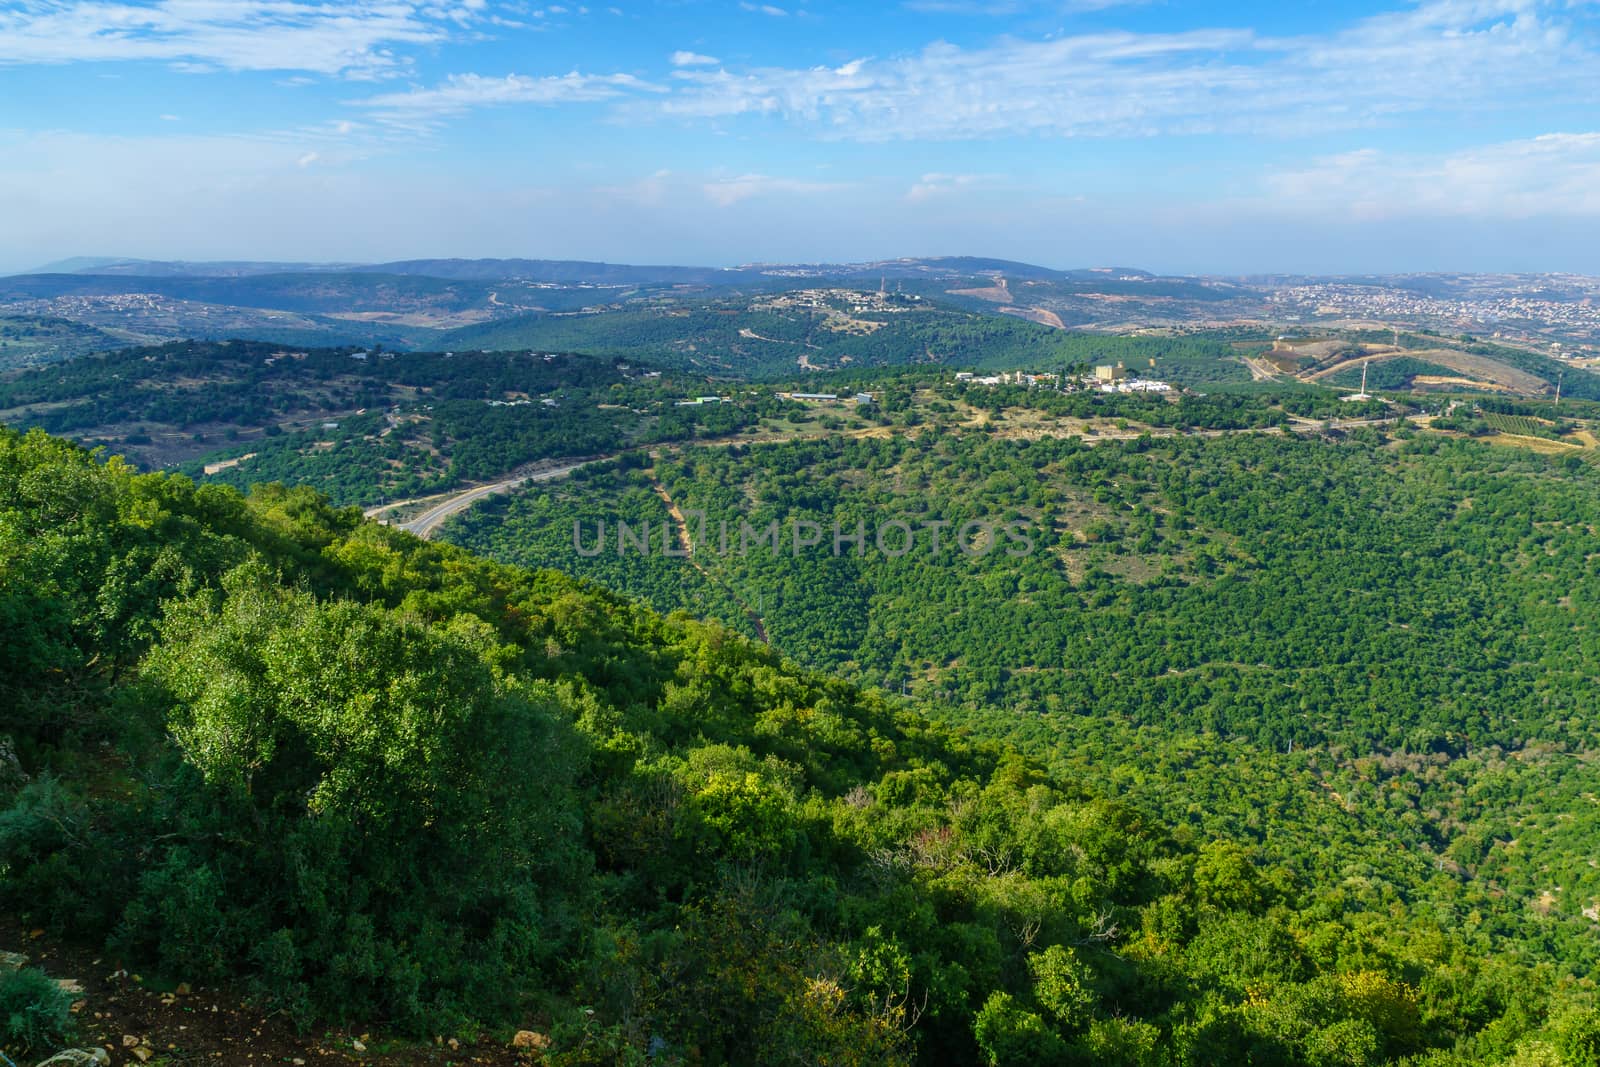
(141,1022)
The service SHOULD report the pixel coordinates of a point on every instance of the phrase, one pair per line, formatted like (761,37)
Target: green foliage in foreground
(35,1013)
(378,779)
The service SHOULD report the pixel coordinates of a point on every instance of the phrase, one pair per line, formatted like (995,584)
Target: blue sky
(1178,136)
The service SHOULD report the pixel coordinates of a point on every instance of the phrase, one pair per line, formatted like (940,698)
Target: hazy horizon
(1183,137)
(67,263)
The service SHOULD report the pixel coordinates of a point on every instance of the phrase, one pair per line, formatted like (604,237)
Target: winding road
(425,524)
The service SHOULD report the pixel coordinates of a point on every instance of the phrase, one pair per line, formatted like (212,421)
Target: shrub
(1008,1035)
(35,1013)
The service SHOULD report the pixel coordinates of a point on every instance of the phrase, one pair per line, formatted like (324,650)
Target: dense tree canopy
(374,778)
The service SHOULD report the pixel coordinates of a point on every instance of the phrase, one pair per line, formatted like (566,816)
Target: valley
(954,654)
(542,545)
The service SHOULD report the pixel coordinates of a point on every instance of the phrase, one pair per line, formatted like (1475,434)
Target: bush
(35,1013)
(375,773)
(1009,1035)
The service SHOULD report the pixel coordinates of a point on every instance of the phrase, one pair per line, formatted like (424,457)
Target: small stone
(129,1041)
(358,1046)
(298,1062)
(454,1044)
(142,1054)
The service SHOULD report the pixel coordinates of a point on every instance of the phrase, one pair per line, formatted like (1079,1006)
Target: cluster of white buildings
(1486,312)
(548,402)
(1108,378)
(829,301)
(1027,378)
(828,398)
(1136,385)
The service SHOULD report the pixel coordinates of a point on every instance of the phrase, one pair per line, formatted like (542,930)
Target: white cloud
(356,38)
(725,192)
(1557,174)
(995,8)
(1442,55)
(932,186)
(646,192)
(460,92)
(693,59)
(307,159)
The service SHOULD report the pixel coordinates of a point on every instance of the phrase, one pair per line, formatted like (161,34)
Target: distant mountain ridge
(585,271)
(177,268)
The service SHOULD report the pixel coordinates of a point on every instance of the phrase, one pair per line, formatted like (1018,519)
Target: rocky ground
(144,1023)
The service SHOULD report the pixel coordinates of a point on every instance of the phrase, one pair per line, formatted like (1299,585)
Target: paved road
(424,525)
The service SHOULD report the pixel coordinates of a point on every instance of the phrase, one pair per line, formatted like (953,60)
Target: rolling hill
(396,789)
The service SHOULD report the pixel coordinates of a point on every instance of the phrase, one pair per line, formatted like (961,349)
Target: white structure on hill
(1363,395)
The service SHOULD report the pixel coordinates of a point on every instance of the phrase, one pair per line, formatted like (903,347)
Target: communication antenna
(1560,375)
(1363,394)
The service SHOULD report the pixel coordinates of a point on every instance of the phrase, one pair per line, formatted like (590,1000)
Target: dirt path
(1478,368)
(1260,369)
(686,542)
(1043,316)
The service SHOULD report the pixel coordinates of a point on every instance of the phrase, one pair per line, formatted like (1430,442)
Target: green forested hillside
(31,340)
(780,337)
(263,742)
(1371,655)
(362,426)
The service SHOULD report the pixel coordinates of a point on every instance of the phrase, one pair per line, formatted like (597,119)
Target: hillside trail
(446,505)
(686,542)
